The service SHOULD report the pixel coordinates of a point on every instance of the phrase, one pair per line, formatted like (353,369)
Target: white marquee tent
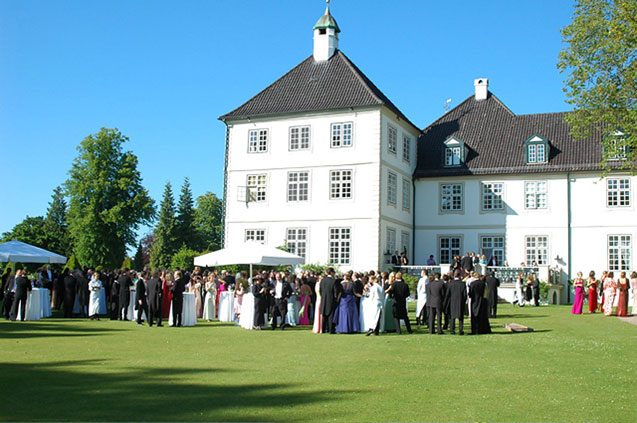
(20,252)
(249,253)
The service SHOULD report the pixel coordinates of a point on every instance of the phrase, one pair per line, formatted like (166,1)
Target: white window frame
(392,139)
(341,182)
(341,134)
(257,185)
(534,197)
(618,197)
(537,152)
(406,148)
(452,196)
(258,140)
(500,249)
(390,240)
(299,138)
(450,250)
(339,245)
(453,156)
(296,240)
(406,194)
(490,199)
(298,186)
(404,241)
(392,188)
(618,147)
(619,250)
(255,235)
(533,250)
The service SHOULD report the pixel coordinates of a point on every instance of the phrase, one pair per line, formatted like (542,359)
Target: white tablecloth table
(45,301)
(188,313)
(131,313)
(246,320)
(103,309)
(33,308)
(226,306)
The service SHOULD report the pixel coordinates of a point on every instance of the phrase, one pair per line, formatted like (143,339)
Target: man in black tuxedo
(22,288)
(125,282)
(154,299)
(467,263)
(70,289)
(358,290)
(328,289)
(479,307)
(457,302)
(114,298)
(400,292)
(492,285)
(258,292)
(141,302)
(178,288)
(8,287)
(435,299)
(82,293)
(281,292)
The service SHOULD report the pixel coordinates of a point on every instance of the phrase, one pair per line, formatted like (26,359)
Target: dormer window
(617,146)
(537,150)
(454,152)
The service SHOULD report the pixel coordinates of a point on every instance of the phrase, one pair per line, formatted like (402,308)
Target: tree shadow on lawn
(28,329)
(73,390)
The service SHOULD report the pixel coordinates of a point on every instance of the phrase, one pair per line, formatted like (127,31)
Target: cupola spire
(326,32)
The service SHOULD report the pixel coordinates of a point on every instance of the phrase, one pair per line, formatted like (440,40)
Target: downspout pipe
(569,234)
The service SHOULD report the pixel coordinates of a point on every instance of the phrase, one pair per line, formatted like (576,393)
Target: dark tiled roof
(316,86)
(494,138)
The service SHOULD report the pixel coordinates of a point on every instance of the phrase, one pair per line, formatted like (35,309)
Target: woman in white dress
(94,286)
(226,306)
(519,296)
(421,290)
(209,301)
(318,317)
(374,299)
(633,289)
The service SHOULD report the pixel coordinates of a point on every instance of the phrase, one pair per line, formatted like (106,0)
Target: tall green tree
(164,245)
(56,223)
(209,222)
(600,59)
(107,202)
(186,234)
(138,259)
(32,230)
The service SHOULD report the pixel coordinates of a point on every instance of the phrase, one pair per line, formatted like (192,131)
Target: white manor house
(324,162)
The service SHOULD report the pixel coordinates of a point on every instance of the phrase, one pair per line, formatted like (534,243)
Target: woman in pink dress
(591,285)
(195,287)
(318,318)
(166,294)
(578,302)
(305,299)
(222,288)
(609,294)
(239,290)
(622,287)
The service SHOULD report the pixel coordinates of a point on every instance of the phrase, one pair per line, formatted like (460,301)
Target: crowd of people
(603,293)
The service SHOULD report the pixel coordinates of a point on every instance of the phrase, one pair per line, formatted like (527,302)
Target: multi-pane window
(406,148)
(449,247)
(536,250)
(535,195)
(299,138)
(453,156)
(391,240)
(340,245)
(493,247)
(298,186)
(257,188)
(340,184)
(492,196)
(450,197)
(257,141)
(617,147)
(341,134)
(257,235)
(536,153)
(406,194)
(392,188)
(392,139)
(619,252)
(296,241)
(618,192)
(404,241)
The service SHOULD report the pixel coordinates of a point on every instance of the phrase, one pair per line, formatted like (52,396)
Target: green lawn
(573,368)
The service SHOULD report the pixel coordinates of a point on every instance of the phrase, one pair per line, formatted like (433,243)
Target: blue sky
(163,71)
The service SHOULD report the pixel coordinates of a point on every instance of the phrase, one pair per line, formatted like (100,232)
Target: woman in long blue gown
(347,311)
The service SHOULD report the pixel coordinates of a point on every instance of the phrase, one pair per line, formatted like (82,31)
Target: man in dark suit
(8,286)
(22,288)
(492,285)
(141,302)
(479,307)
(281,292)
(435,299)
(154,299)
(70,289)
(125,282)
(82,293)
(358,290)
(178,288)
(457,302)
(467,263)
(327,289)
(258,292)
(114,298)
(400,292)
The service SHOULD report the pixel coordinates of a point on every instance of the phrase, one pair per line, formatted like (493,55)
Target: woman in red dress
(591,285)
(622,287)
(167,294)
